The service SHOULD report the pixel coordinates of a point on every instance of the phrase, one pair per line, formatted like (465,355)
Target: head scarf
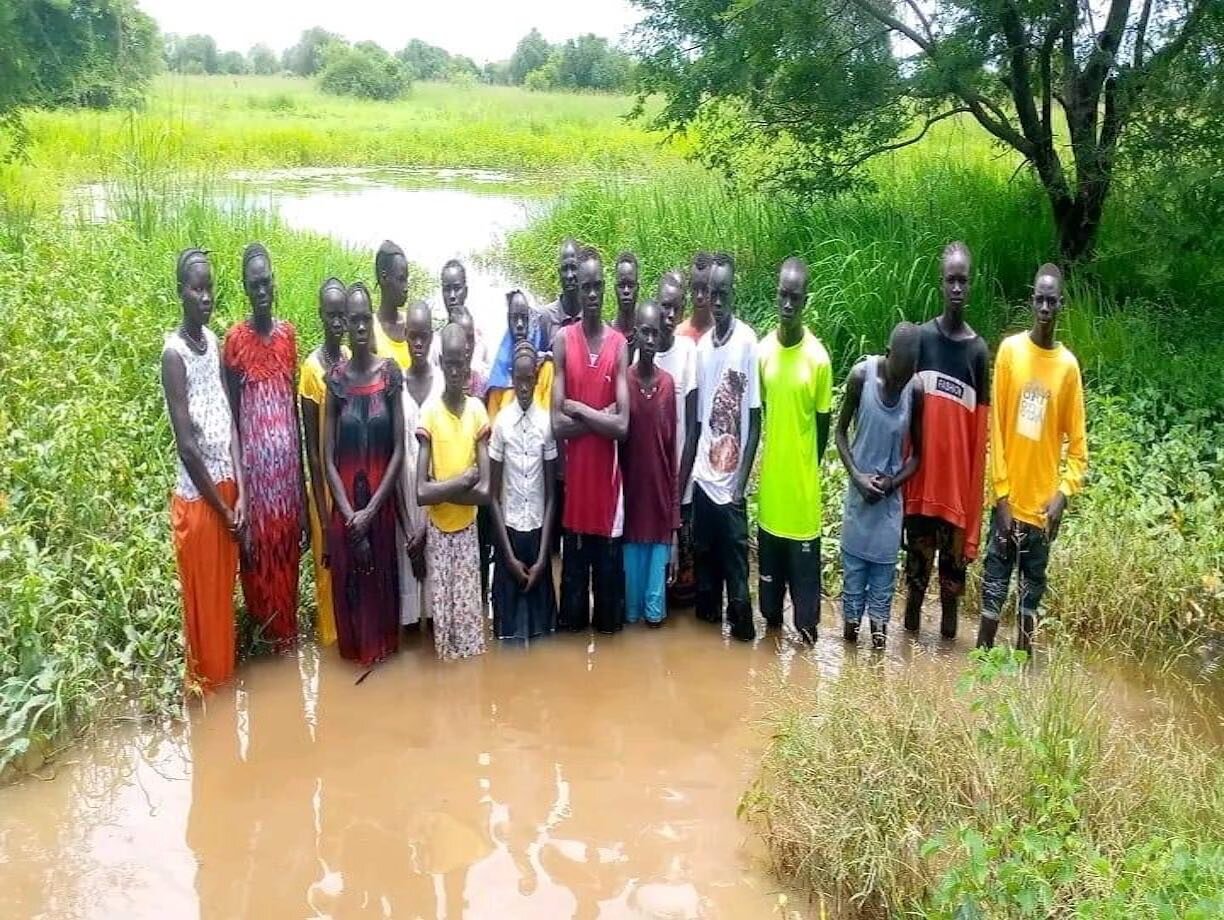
(501,374)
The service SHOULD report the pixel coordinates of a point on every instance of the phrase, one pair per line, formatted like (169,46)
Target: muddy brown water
(583,776)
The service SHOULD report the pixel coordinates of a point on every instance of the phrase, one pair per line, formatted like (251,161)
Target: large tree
(305,59)
(531,52)
(72,52)
(1076,87)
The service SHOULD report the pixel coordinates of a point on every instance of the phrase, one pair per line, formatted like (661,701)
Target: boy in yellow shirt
(453,474)
(1037,406)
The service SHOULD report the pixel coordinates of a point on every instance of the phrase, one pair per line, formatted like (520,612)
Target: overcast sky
(486,30)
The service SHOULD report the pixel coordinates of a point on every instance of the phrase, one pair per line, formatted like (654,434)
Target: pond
(584,776)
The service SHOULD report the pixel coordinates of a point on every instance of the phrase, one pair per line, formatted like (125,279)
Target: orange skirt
(207,557)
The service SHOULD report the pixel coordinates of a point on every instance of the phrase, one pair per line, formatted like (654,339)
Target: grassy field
(215,121)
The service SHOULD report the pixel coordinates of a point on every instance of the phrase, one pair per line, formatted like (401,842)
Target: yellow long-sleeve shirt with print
(1037,406)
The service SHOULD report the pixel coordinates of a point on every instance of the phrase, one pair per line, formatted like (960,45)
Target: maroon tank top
(592,475)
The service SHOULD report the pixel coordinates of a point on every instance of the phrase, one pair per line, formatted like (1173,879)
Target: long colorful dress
(272,463)
(312,386)
(365,583)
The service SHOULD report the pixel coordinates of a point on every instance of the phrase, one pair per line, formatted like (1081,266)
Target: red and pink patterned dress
(272,465)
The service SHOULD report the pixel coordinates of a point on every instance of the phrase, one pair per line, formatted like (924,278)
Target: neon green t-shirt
(796,385)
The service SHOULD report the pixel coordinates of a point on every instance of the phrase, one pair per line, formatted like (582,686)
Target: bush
(367,73)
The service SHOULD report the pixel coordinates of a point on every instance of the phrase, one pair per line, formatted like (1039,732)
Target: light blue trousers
(867,586)
(646,581)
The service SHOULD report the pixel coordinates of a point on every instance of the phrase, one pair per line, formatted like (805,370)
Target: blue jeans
(646,581)
(867,585)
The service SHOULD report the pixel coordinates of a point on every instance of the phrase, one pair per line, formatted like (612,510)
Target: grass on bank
(228,121)
(1002,794)
(1141,558)
(91,622)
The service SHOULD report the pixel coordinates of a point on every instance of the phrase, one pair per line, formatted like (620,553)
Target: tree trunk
(1078,220)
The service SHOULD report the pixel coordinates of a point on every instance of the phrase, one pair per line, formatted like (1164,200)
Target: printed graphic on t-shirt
(1030,416)
(725,422)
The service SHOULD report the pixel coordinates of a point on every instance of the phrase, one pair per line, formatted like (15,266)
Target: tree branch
(1141,33)
(1103,56)
(886,148)
(926,23)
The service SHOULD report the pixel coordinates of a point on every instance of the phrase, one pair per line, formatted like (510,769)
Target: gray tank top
(873,532)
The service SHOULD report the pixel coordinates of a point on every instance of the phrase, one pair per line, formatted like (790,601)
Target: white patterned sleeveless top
(209,409)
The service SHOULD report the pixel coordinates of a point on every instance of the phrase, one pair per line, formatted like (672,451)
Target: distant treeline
(588,62)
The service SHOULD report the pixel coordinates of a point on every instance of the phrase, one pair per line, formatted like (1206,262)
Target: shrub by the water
(1004,794)
(367,73)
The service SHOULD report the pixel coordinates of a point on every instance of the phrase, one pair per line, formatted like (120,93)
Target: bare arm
(390,480)
(550,507)
(434,492)
(332,409)
(174,383)
(496,469)
(750,449)
(849,409)
(481,492)
(564,427)
(314,462)
(911,462)
(611,425)
(822,434)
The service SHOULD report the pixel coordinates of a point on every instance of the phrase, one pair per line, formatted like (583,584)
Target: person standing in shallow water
(701,321)
(208,507)
(567,308)
(797,393)
(261,363)
(391,327)
(522,325)
(719,453)
(627,286)
(312,402)
(363,455)
(652,498)
(522,451)
(422,383)
(590,414)
(884,402)
(678,356)
(1038,408)
(943,500)
(452,480)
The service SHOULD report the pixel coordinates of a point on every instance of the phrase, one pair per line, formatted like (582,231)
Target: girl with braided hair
(312,400)
(208,508)
(261,362)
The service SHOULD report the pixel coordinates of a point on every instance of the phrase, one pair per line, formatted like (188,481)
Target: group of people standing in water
(411,461)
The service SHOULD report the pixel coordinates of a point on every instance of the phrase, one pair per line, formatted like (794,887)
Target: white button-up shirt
(521,442)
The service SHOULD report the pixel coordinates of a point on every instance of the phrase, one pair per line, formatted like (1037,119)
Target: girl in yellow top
(452,479)
(1037,406)
(391,326)
(312,400)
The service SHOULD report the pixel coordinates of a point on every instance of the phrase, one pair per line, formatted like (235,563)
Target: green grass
(1141,556)
(91,622)
(284,122)
(1001,794)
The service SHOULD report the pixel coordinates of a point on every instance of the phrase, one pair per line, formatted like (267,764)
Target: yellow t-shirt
(387,347)
(1037,405)
(542,397)
(452,446)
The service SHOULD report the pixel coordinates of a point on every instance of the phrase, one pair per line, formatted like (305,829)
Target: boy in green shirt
(797,395)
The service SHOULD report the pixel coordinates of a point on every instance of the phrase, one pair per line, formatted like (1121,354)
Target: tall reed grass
(998,793)
(91,621)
